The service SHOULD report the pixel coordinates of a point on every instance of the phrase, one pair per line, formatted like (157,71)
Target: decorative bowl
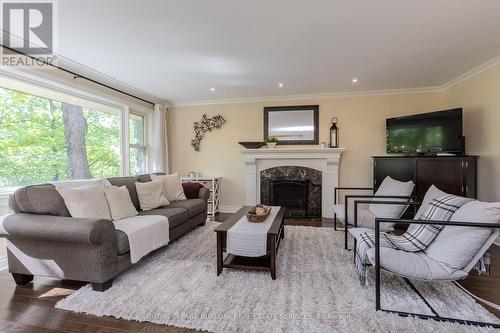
(253,217)
(252,145)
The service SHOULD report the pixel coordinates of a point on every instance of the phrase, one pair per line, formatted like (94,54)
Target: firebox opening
(296,188)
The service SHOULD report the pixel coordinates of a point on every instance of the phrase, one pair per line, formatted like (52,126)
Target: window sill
(6,191)
(4,199)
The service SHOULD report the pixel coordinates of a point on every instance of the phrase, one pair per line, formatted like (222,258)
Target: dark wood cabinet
(452,174)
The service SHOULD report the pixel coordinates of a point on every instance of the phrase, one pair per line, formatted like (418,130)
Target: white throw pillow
(86,201)
(391,187)
(432,193)
(151,195)
(172,186)
(454,247)
(119,201)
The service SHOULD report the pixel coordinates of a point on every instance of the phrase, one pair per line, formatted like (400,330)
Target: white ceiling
(178,50)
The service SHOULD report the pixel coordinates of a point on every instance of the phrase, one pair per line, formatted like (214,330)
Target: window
(62,137)
(137,144)
(44,140)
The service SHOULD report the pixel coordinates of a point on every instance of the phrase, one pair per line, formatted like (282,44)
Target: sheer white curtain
(159,151)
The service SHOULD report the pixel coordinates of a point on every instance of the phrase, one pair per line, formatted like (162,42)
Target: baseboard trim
(3,263)
(229,209)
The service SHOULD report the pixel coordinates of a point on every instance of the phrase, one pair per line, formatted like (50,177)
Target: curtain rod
(77,76)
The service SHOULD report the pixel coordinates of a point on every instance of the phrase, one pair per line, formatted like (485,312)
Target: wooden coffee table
(265,263)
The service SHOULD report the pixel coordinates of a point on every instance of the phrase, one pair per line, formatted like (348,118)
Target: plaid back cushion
(419,236)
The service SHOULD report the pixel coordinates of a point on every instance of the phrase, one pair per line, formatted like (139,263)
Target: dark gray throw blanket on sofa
(417,238)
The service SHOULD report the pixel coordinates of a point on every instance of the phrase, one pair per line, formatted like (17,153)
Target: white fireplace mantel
(326,160)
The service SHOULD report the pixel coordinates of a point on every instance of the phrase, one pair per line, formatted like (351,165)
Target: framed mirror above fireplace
(292,125)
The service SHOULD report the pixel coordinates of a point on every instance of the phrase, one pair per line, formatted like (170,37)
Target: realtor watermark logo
(28,33)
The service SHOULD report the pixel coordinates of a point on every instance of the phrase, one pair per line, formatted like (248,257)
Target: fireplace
(325,161)
(296,188)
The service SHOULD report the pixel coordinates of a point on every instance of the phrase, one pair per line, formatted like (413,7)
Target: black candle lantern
(334,134)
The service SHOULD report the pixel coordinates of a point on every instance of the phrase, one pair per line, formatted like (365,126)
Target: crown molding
(308,96)
(472,73)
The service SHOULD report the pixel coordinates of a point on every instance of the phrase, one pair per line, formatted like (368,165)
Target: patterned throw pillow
(420,236)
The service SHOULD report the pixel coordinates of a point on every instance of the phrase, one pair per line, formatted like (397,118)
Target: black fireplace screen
(296,188)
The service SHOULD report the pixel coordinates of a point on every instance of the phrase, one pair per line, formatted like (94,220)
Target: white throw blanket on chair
(145,234)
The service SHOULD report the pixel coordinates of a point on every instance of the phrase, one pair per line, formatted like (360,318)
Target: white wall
(479,96)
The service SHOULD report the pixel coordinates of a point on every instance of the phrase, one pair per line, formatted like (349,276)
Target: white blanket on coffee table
(145,234)
(250,239)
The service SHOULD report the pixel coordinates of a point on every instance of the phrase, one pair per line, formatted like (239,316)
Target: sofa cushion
(391,187)
(408,264)
(193,206)
(147,177)
(38,199)
(454,247)
(175,216)
(122,244)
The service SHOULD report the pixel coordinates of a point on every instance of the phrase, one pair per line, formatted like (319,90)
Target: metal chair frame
(436,316)
(348,197)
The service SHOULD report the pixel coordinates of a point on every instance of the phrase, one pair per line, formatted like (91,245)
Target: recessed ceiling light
(212,89)
(281,84)
(355,80)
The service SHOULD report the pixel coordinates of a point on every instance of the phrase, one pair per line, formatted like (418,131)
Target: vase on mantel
(271,145)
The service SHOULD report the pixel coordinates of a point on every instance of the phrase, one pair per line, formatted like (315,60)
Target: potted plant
(271,142)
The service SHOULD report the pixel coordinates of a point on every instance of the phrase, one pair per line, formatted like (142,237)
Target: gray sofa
(45,240)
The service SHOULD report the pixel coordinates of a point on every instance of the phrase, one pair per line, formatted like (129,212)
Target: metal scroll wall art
(203,126)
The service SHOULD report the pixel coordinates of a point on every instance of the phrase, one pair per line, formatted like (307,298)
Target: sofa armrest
(204,193)
(59,228)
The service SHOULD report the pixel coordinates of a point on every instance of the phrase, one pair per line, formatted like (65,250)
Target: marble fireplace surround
(325,160)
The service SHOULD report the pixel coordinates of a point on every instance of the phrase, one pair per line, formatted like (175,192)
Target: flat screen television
(426,133)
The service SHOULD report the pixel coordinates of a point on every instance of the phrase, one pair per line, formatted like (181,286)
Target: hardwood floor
(487,287)
(31,309)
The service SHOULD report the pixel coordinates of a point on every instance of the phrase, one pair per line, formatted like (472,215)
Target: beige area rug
(316,290)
